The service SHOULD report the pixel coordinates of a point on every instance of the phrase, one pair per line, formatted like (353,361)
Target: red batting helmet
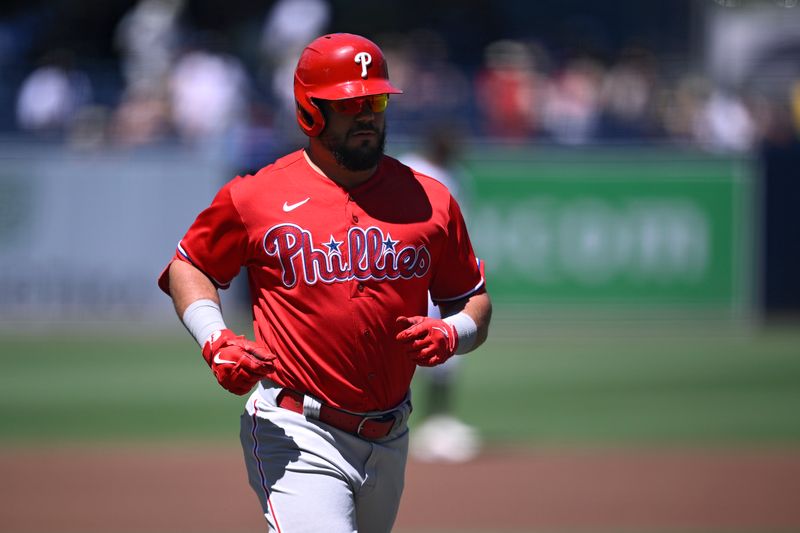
(336,67)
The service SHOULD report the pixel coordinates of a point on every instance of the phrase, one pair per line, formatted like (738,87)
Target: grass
(673,384)
(609,382)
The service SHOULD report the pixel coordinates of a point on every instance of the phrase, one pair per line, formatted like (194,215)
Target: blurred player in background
(342,246)
(442,437)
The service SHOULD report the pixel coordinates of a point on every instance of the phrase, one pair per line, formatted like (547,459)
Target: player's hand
(236,362)
(429,341)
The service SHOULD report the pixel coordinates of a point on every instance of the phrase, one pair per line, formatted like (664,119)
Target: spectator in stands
(52,95)
(627,97)
(725,123)
(147,38)
(681,106)
(507,90)
(572,102)
(209,91)
(142,116)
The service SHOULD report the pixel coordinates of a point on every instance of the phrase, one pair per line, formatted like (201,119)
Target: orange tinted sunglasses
(354,106)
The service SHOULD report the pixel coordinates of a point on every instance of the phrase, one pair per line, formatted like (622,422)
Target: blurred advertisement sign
(83,236)
(614,227)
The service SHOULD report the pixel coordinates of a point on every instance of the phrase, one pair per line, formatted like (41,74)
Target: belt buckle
(385,417)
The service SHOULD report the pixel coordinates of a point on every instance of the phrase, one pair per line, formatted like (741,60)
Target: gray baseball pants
(311,477)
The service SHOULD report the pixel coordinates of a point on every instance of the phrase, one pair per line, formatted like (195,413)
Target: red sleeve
(216,243)
(458,273)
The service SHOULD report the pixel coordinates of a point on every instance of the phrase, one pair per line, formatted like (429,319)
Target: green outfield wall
(85,235)
(650,228)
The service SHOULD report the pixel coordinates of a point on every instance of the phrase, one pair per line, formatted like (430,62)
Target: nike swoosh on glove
(429,341)
(237,363)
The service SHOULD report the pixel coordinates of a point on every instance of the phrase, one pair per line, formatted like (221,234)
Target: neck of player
(323,161)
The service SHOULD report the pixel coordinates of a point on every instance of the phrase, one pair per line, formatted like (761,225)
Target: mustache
(363,129)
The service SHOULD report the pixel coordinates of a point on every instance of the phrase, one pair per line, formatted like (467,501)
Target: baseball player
(441,437)
(341,244)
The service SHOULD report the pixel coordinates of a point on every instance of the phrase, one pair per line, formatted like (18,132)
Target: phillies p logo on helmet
(365,60)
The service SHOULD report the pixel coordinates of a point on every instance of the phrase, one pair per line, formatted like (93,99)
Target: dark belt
(366,426)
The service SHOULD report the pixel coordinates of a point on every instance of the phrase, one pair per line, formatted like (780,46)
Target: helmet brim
(354,89)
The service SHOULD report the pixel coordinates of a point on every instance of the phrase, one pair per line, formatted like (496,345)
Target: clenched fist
(236,362)
(429,341)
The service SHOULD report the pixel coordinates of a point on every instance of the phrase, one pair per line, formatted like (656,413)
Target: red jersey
(331,269)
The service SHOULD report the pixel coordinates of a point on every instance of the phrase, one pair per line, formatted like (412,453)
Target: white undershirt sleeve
(467,331)
(202,318)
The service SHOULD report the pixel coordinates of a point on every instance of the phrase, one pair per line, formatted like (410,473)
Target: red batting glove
(429,341)
(236,362)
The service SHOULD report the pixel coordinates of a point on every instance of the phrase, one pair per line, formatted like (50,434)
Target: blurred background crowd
(715,76)
(133,72)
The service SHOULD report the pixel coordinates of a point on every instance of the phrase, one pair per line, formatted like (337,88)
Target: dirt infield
(180,489)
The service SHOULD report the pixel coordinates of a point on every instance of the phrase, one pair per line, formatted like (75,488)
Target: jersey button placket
(358,288)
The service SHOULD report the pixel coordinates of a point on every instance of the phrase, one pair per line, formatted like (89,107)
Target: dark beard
(359,158)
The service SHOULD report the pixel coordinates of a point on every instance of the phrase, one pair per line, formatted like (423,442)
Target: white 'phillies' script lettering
(365,254)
